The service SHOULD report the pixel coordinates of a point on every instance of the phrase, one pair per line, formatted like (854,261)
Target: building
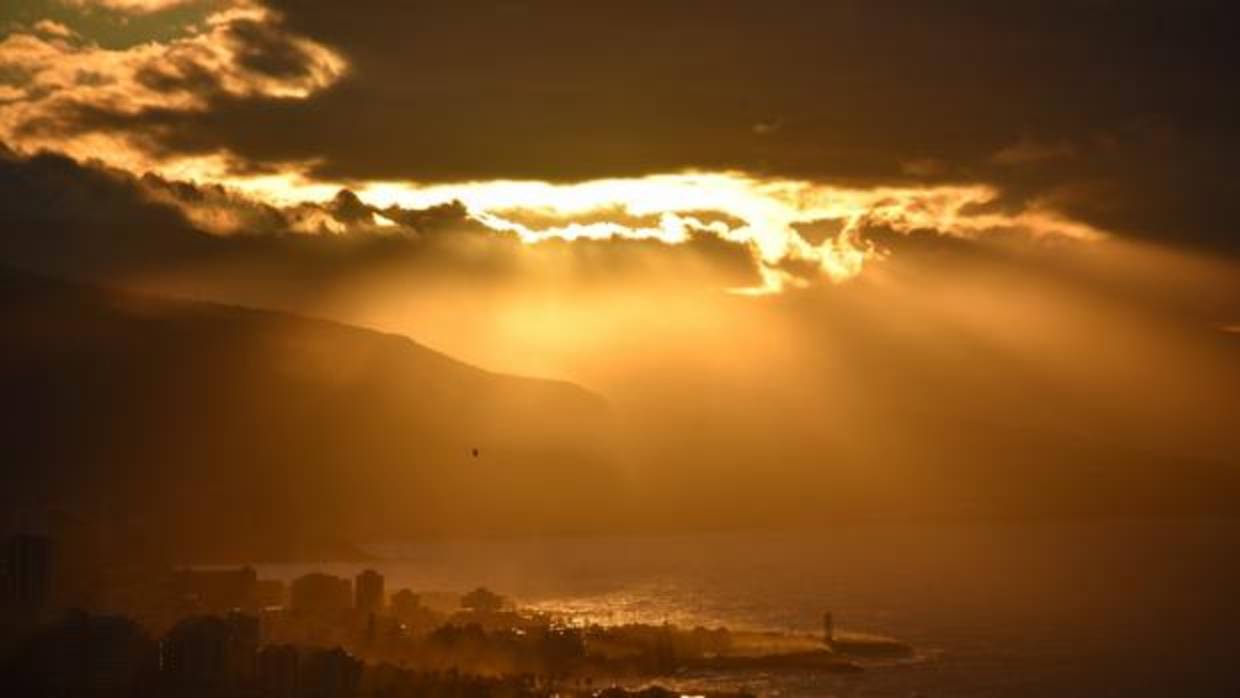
(26,573)
(270,593)
(211,653)
(406,605)
(329,674)
(321,595)
(369,592)
(85,655)
(278,670)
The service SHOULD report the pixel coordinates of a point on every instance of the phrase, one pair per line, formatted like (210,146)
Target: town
(223,631)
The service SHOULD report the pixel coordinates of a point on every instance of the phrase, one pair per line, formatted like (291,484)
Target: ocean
(1099,608)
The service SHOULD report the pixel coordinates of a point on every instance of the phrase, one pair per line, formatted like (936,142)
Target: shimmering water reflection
(1102,608)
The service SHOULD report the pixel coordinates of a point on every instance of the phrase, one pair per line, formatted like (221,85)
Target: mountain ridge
(305,431)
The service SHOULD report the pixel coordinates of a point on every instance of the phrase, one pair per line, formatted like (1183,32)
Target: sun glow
(770,216)
(765,214)
(797,231)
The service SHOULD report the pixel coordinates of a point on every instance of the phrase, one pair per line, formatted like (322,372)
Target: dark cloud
(932,251)
(103,224)
(85,221)
(179,74)
(451,215)
(1038,99)
(229,211)
(267,50)
(1030,152)
(536,219)
(737,260)
(349,209)
(819,231)
(542,219)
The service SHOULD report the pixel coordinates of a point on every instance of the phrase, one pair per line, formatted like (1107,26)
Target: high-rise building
(26,573)
(369,592)
(406,605)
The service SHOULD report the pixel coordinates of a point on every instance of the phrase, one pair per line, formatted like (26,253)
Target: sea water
(1099,608)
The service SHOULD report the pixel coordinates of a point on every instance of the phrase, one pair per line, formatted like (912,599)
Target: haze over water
(1133,608)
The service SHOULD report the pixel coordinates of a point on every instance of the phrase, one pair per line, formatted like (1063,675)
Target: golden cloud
(762,213)
(243,50)
(768,216)
(133,7)
(50,73)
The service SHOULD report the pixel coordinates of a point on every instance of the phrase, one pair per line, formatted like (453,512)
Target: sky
(885,222)
(1078,120)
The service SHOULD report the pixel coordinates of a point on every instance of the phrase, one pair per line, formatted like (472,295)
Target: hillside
(212,431)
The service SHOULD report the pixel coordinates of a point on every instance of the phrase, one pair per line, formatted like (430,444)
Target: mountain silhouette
(220,432)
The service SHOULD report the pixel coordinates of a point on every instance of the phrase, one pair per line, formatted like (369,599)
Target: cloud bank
(858,115)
